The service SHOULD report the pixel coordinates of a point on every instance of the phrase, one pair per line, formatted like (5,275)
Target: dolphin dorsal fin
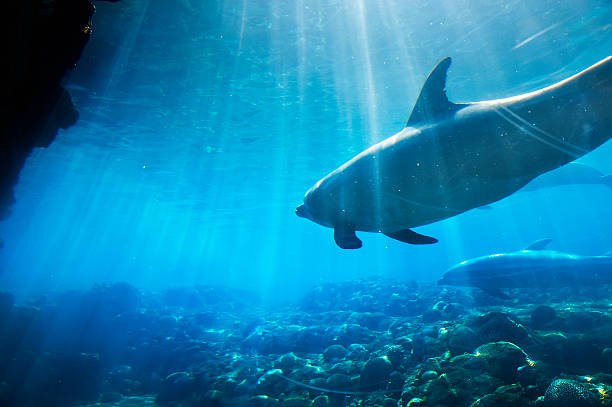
(539,244)
(432,101)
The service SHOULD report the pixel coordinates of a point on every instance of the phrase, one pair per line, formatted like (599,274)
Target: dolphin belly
(531,268)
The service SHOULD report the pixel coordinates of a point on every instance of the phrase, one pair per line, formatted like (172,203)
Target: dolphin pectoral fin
(539,244)
(432,101)
(495,292)
(412,237)
(345,237)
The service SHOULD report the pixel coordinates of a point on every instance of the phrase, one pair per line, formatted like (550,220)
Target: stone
(321,401)
(462,339)
(370,320)
(287,362)
(502,359)
(357,352)
(375,373)
(498,326)
(569,393)
(429,375)
(270,383)
(176,387)
(396,355)
(542,316)
(504,396)
(440,392)
(262,401)
(334,353)
(339,382)
(389,402)
(295,401)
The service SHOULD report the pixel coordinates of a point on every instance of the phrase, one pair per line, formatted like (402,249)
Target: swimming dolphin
(452,157)
(569,174)
(533,267)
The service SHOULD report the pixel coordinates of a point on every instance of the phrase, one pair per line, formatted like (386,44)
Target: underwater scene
(315,203)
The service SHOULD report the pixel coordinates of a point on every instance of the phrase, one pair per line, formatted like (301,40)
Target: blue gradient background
(203,123)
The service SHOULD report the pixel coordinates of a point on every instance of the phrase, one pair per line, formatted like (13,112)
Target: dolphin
(452,157)
(569,174)
(534,267)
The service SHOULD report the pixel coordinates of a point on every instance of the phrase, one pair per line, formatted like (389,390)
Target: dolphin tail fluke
(412,237)
(607,181)
(345,238)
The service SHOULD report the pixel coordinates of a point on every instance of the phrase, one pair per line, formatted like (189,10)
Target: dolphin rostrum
(452,157)
(533,267)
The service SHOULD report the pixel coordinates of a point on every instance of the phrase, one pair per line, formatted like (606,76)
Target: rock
(176,387)
(295,401)
(542,316)
(370,320)
(453,310)
(416,401)
(504,396)
(440,392)
(552,346)
(49,39)
(502,359)
(320,401)
(334,353)
(270,383)
(263,401)
(122,379)
(339,382)
(405,342)
(375,373)
(110,397)
(432,315)
(352,333)
(497,326)
(581,321)
(396,383)
(357,352)
(469,376)
(396,355)
(288,362)
(606,356)
(469,361)
(347,367)
(309,372)
(538,374)
(389,402)
(215,396)
(429,375)
(462,339)
(569,393)
(581,351)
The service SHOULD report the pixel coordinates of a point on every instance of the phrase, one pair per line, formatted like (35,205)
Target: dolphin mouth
(302,212)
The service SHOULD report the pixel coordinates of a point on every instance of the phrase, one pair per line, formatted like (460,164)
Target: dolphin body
(452,157)
(533,267)
(570,174)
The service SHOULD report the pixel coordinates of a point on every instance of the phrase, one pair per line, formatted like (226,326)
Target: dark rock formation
(43,40)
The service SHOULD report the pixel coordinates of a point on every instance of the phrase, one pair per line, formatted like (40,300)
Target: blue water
(203,123)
